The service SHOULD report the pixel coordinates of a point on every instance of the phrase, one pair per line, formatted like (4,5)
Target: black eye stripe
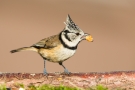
(67,31)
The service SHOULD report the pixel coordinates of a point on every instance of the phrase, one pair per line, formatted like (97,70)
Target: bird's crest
(70,24)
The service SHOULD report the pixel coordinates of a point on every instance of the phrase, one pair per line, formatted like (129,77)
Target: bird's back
(48,43)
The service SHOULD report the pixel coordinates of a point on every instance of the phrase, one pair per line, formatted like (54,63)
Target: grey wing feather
(47,43)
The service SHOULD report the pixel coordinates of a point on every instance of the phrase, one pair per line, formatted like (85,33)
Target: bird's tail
(24,49)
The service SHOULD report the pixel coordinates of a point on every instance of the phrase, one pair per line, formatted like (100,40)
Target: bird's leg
(45,72)
(65,70)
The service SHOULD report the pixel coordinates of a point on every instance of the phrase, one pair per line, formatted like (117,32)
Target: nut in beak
(89,38)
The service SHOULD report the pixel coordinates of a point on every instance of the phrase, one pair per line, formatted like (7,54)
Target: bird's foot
(66,71)
(45,72)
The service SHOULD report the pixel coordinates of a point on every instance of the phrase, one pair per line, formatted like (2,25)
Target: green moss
(61,87)
(49,87)
(3,87)
(98,87)
(19,85)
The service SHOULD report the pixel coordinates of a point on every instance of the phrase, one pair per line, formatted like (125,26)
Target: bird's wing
(48,43)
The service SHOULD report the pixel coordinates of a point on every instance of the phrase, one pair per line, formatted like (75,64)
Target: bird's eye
(77,34)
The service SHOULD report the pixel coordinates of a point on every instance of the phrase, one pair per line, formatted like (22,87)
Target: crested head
(72,34)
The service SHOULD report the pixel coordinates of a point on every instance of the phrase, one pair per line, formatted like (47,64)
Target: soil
(125,80)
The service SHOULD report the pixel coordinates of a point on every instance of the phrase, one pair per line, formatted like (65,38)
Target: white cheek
(73,37)
(69,43)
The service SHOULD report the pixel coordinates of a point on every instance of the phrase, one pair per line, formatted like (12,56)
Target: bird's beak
(87,37)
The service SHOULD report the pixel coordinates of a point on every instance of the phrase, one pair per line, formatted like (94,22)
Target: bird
(60,47)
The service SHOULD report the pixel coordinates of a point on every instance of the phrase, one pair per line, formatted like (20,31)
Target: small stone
(21,89)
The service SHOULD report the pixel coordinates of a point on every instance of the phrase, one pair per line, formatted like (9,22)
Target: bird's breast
(57,54)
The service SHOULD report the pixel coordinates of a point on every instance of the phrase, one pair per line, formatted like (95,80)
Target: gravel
(124,80)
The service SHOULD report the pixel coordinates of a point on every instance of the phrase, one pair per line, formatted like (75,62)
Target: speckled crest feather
(70,24)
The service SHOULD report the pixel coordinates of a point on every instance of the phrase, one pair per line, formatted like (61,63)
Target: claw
(66,71)
(45,72)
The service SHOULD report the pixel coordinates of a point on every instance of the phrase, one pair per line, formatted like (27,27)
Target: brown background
(111,23)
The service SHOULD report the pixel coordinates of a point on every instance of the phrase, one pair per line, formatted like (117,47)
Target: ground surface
(112,80)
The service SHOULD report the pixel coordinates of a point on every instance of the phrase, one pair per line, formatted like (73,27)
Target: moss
(3,87)
(50,87)
(98,87)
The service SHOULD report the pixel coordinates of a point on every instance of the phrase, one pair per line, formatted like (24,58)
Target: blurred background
(110,22)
